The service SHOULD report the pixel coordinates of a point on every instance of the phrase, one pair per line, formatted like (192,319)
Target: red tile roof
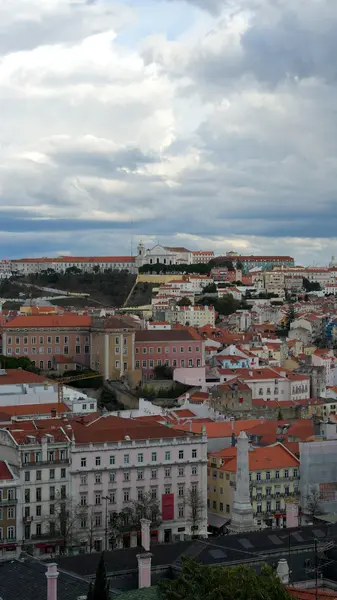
(266,457)
(35,409)
(19,376)
(5,473)
(67,320)
(220,428)
(166,335)
(79,259)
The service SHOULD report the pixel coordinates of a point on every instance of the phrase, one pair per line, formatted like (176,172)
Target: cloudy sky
(203,123)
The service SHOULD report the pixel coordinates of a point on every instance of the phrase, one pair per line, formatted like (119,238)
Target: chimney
(53,413)
(145,534)
(52,575)
(283,571)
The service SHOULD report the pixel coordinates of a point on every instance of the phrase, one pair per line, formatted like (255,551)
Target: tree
(290,317)
(311,286)
(184,302)
(90,594)
(87,517)
(163,372)
(312,504)
(101,586)
(129,518)
(210,289)
(64,521)
(199,582)
(195,506)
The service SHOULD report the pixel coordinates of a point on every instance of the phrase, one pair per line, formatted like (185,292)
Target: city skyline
(200,124)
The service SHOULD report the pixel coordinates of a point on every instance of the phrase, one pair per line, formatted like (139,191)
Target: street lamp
(106,498)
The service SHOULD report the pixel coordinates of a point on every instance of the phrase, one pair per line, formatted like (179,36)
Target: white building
(18,388)
(195,316)
(168,255)
(41,458)
(27,266)
(115,461)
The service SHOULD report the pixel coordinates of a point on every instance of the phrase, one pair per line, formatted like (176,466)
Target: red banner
(167,503)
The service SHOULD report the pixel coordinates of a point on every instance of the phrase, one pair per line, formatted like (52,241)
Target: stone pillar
(106,355)
(144,570)
(242,511)
(52,575)
(283,571)
(145,531)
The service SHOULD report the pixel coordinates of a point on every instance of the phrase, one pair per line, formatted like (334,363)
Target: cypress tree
(101,589)
(90,595)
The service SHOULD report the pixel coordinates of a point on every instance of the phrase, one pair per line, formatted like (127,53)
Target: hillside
(106,289)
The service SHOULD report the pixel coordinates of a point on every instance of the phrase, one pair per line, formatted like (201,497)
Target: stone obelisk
(242,511)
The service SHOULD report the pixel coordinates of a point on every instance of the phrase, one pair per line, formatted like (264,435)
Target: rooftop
(5,473)
(19,376)
(166,335)
(49,321)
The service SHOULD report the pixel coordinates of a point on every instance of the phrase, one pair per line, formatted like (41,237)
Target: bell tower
(141,255)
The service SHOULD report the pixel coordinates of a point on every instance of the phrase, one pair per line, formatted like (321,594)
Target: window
(194,453)
(49,364)
(181,454)
(9,340)
(167,455)
(98,520)
(98,478)
(98,461)
(83,499)
(214,504)
(144,350)
(117,364)
(66,339)
(38,475)
(151,364)
(112,497)
(286,491)
(140,494)
(38,529)
(174,363)
(92,406)
(38,510)
(277,475)
(181,511)
(126,476)
(277,505)
(140,458)
(51,455)
(268,491)
(167,472)
(83,462)
(27,496)
(52,509)
(83,479)
(86,349)
(41,364)
(144,364)
(190,363)
(9,351)
(11,532)
(52,493)
(181,489)
(195,471)
(181,348)
(41,339)
(11,512)
(117,341)
(154,456)
(17,350)
(295,472)
(126,496)
(77,349)
(83,523)
(182,362)
(167,489)
(126,459)
(258,476)
(268,475)
(159,350)
(112,477)
(151,350)
(51,473)
(259,508)
(27,475)
(112,460)
(137,364)
(98,499)
(221,506)
(140,474)
(286,474)
(181,472)
(154,474)
(268,507)
(57,339)
(50,350)
(65,350)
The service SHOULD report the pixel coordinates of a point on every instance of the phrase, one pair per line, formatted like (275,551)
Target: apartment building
(271,383)
(112,347)
(175,348)
(273,476)
(261,262)
(201,256)
(42,338)
(40,454)
(116,461)
(9,497)
(195,316)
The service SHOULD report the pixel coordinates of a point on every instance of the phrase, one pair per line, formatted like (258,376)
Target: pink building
(47,336)
(174,348)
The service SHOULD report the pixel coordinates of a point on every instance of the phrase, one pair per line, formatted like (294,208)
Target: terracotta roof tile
(58,321)
(5,473)
(19,376)
(266,457)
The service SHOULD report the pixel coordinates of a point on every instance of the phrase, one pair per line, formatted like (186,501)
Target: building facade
(9,498)
(175,348)
(115,462)
(28,266)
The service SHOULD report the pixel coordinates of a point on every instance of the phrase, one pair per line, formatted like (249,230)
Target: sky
(208,124)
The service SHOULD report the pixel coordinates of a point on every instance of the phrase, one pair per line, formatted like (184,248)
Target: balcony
(50,535)
(46,463)
(7,541)
(8,501)
(284,480)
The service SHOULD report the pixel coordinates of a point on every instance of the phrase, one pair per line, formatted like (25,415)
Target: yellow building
(273,475)
(113,348)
